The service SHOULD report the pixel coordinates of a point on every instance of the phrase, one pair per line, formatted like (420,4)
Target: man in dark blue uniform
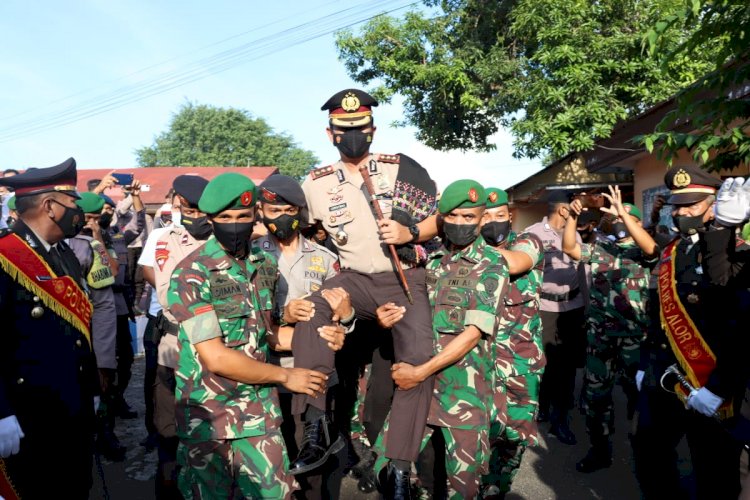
(47,369)
(689,334)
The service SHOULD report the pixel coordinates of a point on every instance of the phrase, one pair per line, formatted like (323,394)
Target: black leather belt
(561,297)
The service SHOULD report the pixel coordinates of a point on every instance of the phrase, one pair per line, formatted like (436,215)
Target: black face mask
(198,227)
(619,230)
(72,220)
(283,227)
(688,225)
(105,220)
(460,234)
(495,232)
(353,143)
(585,233)
(233,236)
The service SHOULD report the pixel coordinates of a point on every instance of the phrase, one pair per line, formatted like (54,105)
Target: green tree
(716,105)
(558,73)
(202,135)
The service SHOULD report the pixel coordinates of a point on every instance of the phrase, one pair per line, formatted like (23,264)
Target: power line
(203,68)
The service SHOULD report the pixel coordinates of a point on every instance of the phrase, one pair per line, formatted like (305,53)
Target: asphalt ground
(547,472)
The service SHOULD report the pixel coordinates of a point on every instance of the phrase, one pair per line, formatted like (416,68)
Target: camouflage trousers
(466,458)
(253,467)
(358,411)
(607,357)
(514,428)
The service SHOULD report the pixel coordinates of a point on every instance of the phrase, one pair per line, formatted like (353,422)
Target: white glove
(733,201)
(704,402)
(639,379)
(10,436)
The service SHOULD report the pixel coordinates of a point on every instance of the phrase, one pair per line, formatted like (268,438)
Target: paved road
(548,470)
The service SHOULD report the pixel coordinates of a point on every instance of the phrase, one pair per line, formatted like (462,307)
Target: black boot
(394,483)
(107,444)
(559,427)
(365,472)
(598,457)
(124,411)
(319,442)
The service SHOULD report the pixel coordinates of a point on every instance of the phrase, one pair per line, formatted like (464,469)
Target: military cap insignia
(389,158)
(681,179)
(246,198)
(321,172)
(493,197)
(350,102)
(473,196)
(268,195)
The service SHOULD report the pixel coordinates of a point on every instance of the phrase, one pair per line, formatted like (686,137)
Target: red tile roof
(159,179)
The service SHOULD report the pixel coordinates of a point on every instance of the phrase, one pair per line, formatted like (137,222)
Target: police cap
(350,108)
(227,191)
(690,184)
(465,193)
(496,197)
(60,179)
(190,187)
(281,189)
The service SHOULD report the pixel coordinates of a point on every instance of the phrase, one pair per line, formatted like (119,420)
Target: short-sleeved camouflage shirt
(465,288)
(519,345)
(619,291)
(213,295)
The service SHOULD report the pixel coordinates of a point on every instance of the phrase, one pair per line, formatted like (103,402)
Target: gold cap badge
(350,102)
(681,179)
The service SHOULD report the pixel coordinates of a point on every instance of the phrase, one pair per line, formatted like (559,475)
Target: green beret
(227,192)
(90,203)
(496,197)
(633,210)
(12,203)
(465,193)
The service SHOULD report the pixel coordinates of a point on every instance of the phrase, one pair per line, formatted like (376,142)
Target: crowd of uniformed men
(362,322)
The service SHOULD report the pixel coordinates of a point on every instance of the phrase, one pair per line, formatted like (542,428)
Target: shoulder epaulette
(321,172)
(389,158)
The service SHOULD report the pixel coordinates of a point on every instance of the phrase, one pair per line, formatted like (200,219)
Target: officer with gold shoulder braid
(689,371)
(47,370)
(338,197)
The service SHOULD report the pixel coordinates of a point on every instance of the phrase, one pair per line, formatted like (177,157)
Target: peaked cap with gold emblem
(350,108)
(690,184)
(60,179)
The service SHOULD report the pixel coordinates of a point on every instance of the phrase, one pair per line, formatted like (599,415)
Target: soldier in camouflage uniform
(519,357)
(227,411)
(466,283)
(617,319)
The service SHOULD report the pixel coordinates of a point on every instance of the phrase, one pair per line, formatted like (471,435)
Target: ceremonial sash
(59,293)
(7,491)
(692,352)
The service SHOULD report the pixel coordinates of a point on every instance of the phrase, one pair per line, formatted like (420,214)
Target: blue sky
(68,60)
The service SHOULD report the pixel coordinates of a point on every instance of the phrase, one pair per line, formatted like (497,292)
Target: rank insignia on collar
(340,175)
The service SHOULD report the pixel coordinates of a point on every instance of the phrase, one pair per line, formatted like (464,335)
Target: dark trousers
(135,273)
(149,378)
(565,347)
(661,422)
(412,343)
(124,348)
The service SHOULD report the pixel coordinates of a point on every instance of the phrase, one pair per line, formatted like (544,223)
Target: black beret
(282,190)
(690,184)
(588,216)
(61,178)
(350,108)
(190,187)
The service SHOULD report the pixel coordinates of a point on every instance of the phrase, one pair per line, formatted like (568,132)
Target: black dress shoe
(563,433)
(108,446)
(124,411)
(394,483)
(319,442)
(594,460)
